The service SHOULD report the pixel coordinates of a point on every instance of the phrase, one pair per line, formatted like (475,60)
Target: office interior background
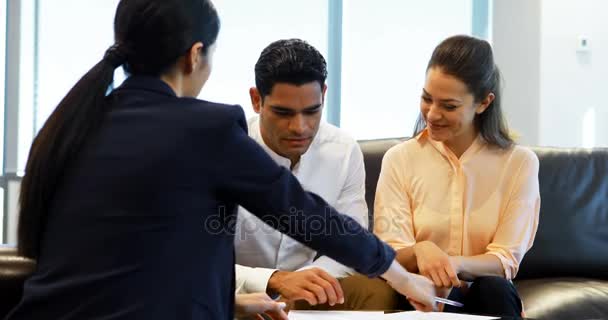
(553,55)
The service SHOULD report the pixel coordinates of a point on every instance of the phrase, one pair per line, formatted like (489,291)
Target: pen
(450,302)
(282,305)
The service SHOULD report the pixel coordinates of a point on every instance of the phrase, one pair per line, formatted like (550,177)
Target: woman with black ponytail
(128,200)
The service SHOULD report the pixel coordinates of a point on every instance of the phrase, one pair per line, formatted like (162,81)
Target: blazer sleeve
(246,175)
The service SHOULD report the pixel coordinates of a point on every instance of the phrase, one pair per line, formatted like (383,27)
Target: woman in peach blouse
(460,201)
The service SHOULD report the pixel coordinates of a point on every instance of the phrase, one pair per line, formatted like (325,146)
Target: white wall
(554,94)
(573,83)
(516,33)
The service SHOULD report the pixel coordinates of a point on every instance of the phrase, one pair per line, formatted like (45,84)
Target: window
(384,55)
(58,48)
(27,83)
(247,28)
(2,86)
(376,64)
(73,35)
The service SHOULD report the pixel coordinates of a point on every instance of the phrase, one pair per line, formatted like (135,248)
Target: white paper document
(417,315)
(379,315)
(334,315)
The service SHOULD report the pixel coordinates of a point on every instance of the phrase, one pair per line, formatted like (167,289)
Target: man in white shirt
(288,97)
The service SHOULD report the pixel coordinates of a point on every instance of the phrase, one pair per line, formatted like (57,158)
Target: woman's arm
(392,209)
(407,259)
(246,175)
(250,305)
(419,290)
(393,223)
(469,268)
(516,228)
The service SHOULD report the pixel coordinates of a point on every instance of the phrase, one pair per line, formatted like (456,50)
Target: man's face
(289,117)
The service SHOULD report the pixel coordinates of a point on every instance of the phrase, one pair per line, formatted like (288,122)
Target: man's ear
(194,58)
(323,91)
(256,99)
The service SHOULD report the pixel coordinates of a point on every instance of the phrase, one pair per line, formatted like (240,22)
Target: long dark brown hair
(471,61)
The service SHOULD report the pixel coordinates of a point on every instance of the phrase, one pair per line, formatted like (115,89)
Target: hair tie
(115,56)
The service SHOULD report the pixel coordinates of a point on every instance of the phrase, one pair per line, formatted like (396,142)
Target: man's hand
(313,285)
(436,265)
(250,306)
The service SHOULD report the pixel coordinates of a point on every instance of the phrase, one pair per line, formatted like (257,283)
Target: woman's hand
(436,265)
(251,305)
(419,290)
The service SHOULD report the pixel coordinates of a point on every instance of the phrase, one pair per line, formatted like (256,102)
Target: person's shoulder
(328,133)
(212,114)
(404,147)
(215,109)
(516,156)
(524,154)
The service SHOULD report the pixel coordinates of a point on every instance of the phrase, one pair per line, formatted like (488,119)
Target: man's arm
(313,285)
(252,280)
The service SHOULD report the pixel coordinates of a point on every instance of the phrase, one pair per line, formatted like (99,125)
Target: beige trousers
(361,293)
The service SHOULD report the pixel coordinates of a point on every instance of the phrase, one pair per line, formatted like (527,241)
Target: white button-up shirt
(333,168)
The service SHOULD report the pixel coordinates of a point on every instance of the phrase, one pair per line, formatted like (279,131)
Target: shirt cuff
(258,280)
(310,266)
(331,266)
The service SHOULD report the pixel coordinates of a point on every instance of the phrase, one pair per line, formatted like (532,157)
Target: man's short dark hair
(292,61)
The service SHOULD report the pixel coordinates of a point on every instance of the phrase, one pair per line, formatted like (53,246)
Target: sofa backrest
(572,238)
(373,152)
(13,272)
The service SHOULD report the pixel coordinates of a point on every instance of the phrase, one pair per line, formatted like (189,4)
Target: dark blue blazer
(142,225)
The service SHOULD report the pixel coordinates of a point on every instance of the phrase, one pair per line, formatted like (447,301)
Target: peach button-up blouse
(485,202)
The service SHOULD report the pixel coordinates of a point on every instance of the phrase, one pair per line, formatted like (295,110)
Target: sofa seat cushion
(564,298)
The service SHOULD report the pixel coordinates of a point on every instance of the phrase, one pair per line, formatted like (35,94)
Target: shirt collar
(477,144)
(254,132)
(147,83)
(423,134)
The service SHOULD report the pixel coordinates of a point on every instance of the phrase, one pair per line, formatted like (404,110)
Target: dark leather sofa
(565,274)
(13,272)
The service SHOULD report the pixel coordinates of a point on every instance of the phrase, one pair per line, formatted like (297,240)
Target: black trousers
(491,296)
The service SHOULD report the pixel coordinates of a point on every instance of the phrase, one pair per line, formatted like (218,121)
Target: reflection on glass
(2,83)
